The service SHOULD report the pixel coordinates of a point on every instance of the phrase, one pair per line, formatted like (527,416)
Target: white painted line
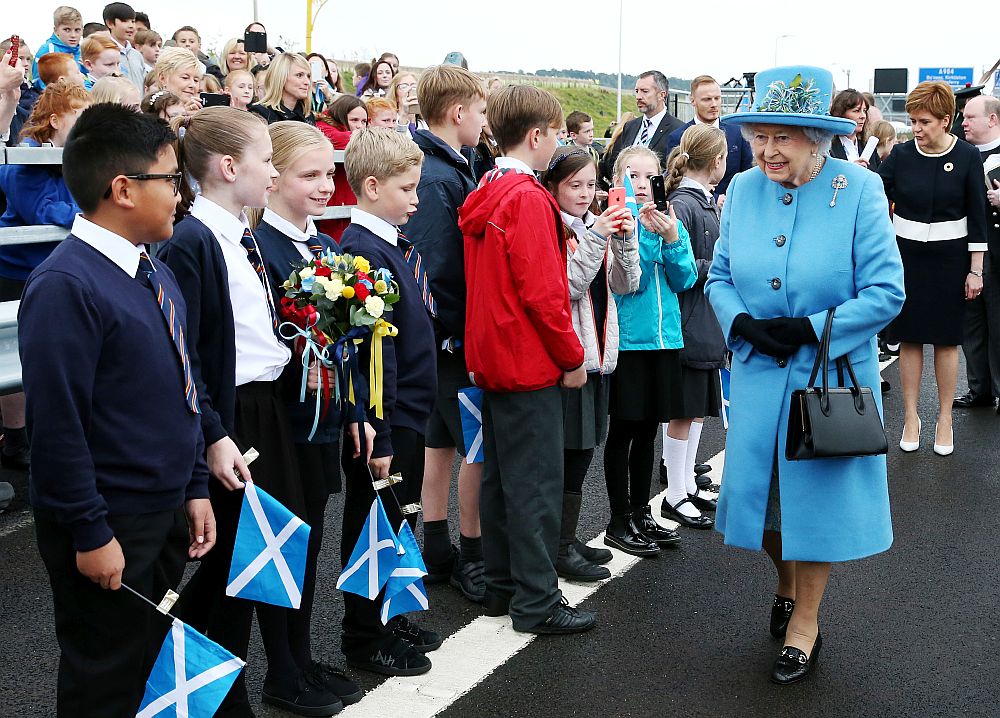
(470,655)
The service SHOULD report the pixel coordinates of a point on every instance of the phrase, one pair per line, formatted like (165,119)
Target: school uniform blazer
(788,253)
(195,257)
(739,156)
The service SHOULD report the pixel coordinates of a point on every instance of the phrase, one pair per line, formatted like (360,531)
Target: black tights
(576,464)
(628,464)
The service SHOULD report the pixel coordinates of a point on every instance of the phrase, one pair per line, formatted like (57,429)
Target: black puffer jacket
(704,345)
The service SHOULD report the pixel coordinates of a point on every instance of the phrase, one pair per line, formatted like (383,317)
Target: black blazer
(658,142)
(837,151)
(195,257)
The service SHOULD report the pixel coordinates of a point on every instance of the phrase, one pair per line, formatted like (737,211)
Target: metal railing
(10,363)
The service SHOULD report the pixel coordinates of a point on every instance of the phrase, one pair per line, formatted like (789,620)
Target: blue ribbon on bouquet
(346,354)
(310,351)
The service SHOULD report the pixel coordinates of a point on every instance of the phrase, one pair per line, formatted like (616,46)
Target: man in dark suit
(650,130)
(981,344)
(706,98)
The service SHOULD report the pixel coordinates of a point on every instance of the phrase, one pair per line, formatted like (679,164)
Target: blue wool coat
(788,253)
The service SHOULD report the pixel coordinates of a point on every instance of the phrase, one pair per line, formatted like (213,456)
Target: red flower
(362,275)
(323,271)
(361,292)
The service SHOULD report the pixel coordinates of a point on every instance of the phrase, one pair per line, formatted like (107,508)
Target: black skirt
(262,423)
(700,394)
(646,386)
(934,278)
(319,466)
(585,413)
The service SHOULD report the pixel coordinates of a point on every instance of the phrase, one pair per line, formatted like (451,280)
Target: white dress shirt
(376,225)
(512,163)
(716,124)
(654,123)
(301,239)
(259,354)
(113,246)
(992,145)
(850,147)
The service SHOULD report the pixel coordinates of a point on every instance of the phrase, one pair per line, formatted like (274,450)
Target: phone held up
(214,99)
(15,48)
(659,192)
(255,41)
(616,197)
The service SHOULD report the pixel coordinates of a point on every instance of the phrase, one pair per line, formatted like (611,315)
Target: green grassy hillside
(598,103)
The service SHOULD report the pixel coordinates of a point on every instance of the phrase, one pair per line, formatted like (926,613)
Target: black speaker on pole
(891,81)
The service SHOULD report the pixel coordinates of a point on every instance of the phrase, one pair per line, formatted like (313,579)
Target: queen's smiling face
(783,152)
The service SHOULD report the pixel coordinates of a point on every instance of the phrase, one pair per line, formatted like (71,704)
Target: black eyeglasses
(175,177)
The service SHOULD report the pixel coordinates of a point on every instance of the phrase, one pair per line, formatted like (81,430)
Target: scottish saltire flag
(269,558)
(724,377)
(375,556)
(409,571)
(630,202)
(190,678)
(470,409)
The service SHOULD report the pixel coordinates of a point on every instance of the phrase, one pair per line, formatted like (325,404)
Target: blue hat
(797,95)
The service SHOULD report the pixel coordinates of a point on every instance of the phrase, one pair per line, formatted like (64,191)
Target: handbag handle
(823,354)
(823,361)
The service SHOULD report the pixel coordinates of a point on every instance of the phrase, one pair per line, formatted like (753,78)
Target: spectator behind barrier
(58,66)
(100,58)
(287,89)
(240,88)
(120,19)
(377,84)
(381,112)
(346,115)
(179,71)
(234,56)
(67,31)
(189,38)
(119,90)
(163,104)
(149,44)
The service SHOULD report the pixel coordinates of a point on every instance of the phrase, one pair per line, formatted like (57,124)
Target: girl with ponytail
(693,169)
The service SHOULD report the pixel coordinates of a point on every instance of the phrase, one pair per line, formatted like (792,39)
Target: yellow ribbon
(381,329)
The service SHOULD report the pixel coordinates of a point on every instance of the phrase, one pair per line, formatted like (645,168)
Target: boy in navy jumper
(453,103)
(383,168)
(116,438)
(520,349)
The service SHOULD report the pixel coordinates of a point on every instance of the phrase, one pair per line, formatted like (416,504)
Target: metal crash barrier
(10,363)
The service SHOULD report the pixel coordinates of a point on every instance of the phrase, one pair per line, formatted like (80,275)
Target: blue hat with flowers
(797,95)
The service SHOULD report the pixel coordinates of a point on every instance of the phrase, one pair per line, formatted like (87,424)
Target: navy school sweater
(409,359)
(110,431)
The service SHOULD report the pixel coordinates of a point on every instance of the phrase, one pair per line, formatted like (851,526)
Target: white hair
(822,138)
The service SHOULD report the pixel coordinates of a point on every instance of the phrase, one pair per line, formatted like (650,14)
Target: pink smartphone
(616,197)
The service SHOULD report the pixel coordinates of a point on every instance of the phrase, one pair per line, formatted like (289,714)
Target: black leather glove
(758,333)
(792,330)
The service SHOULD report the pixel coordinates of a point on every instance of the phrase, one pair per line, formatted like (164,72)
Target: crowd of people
(189,187)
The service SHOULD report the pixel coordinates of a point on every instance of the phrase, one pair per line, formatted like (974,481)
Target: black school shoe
(393,657)
(794,665)
(661,535)
(470,580)
(704,503)
(668,511)
(594,554)
(441,572)
(420,638)
(564,619)
(338,683)
(310,697)
(18,460)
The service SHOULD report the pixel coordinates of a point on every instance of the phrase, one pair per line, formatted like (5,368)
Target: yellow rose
(361,264)
(348,292)
(381,287)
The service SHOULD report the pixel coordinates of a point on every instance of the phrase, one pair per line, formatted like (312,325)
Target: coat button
(787,199)
(780,240)
(776,284)
(782,363)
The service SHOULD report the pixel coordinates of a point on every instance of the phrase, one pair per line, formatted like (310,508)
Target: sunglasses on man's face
(174,177)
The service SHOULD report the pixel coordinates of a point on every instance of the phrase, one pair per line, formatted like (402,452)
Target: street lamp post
(311,20)
(778,39)
(621,3)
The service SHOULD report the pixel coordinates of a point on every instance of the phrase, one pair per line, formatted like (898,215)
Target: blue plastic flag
(470,409)
(375,556)
(724,378)
(630,195)
(190,678)
(269,558)
(410,570)
(411,598)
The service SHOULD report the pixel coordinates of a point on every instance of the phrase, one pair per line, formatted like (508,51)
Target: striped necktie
(644,137)
(258,266)
(169,310)
(315,246)
(412,257)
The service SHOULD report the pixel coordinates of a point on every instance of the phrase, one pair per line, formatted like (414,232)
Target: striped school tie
(315,247)
(644,137)
(169,310)
(412,257)
(258,266)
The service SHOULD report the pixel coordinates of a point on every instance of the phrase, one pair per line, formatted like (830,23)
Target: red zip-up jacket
(518,328)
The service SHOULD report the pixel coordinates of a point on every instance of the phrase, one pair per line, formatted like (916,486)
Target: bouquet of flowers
(331,304)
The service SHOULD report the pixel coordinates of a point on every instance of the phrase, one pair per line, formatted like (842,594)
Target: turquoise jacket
(650,317)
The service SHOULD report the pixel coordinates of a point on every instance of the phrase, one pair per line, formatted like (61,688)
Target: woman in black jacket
(287,91)
(851,104)
(694,168)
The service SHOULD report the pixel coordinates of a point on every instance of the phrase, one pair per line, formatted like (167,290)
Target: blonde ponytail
(700,146)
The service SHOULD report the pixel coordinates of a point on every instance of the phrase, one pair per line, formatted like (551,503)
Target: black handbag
(831,422)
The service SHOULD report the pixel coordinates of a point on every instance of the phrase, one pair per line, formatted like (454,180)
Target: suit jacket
(837,150)
(657,143)
(739,157)
(991,160)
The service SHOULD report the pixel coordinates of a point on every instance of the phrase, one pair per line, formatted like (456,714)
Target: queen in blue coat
(801,233)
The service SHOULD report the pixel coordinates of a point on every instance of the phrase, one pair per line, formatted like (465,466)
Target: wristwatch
(977,272)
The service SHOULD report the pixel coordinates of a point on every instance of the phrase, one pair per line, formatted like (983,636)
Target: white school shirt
(376,225)
(119,250)
(299,238)
(259,354)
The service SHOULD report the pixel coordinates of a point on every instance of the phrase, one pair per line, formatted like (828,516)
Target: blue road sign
(957,77)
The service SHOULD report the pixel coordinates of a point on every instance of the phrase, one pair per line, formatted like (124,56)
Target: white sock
(664,425)
(676,450)
(694,437)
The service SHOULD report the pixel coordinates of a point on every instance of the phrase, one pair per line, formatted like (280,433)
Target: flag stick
(157,607)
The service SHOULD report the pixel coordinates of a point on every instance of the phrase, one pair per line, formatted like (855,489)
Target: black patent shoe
(393,658)
(704,503)
(420,638)
(793,665)
(781,613)
(600,556)
(310,697)
(660,534)
(705,483)
(469,579)
(564,619)
(700,469)
(698,522)
(630,539)
(574,567)
(337,683)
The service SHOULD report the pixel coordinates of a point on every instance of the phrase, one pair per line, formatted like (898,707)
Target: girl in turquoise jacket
(646,385)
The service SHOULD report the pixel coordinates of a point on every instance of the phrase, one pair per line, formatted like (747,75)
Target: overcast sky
(723,38)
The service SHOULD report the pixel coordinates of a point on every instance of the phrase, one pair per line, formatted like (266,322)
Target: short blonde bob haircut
(935,98)
(381,153)
(176,59)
